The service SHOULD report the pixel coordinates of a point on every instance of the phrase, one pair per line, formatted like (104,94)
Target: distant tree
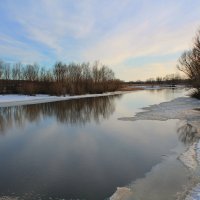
(151,81)
(16,71)
(189,63)
(42,74)
(62,79)
(7,71)
(159,80)
(59,71)
(30,72)
(1,68)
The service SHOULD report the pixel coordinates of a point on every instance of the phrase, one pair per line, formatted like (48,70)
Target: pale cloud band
(123,34)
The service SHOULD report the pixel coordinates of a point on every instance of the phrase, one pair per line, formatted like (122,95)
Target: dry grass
(127,88)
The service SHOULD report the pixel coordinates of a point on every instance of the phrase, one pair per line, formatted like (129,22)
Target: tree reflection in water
(188,134)
(75,112)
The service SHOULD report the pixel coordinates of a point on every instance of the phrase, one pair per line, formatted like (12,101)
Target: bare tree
(59,71)
(30,72)
(190,64)
(18,67)
(62,79)
(1,68)
(16,71)
(7,71)
(42,74)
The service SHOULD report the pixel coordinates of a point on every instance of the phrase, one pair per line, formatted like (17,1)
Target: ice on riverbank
(188,158)
(121,193)
(194,194)
(188,110)
(15,100)
(9,198)
(162,182)
(183,108)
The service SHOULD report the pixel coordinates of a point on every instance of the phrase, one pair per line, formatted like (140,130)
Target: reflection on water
(167,93)
(169,179)
(161,183)
(187,133)
(79,111)
(79,149)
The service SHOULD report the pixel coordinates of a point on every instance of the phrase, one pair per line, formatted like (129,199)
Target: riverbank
(186,110)
(7,100)
(135,87)
(17,100)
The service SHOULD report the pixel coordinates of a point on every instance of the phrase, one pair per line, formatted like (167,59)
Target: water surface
(78,149)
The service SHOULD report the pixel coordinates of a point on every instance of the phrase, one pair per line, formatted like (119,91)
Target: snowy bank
(183,108)
(16,100)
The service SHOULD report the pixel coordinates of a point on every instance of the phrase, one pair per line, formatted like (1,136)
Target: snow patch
(194,193)
(121,193)
(15,100)
(8,198)
(188,158)
(198,152)
(183,108)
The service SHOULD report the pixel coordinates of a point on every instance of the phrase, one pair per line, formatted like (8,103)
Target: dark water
(78,149)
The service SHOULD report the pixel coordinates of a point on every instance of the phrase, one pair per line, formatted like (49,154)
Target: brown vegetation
(62,79)
(131,87)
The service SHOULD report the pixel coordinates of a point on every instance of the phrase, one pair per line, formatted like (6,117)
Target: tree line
(61,79)
(169,79)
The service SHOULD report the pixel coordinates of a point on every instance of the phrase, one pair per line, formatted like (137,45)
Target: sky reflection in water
(78,148)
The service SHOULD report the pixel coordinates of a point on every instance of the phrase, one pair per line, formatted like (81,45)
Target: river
(79,149)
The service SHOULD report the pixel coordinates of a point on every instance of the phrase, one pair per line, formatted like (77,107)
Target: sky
(137,39)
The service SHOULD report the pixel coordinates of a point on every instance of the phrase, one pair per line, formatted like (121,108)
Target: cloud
(110,31)
(157,30)
(17,50)
(141,40)
(146,71)
(52,22)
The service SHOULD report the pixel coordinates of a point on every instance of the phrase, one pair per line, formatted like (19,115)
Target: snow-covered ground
(194,193)
(14,100)
(183,108)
